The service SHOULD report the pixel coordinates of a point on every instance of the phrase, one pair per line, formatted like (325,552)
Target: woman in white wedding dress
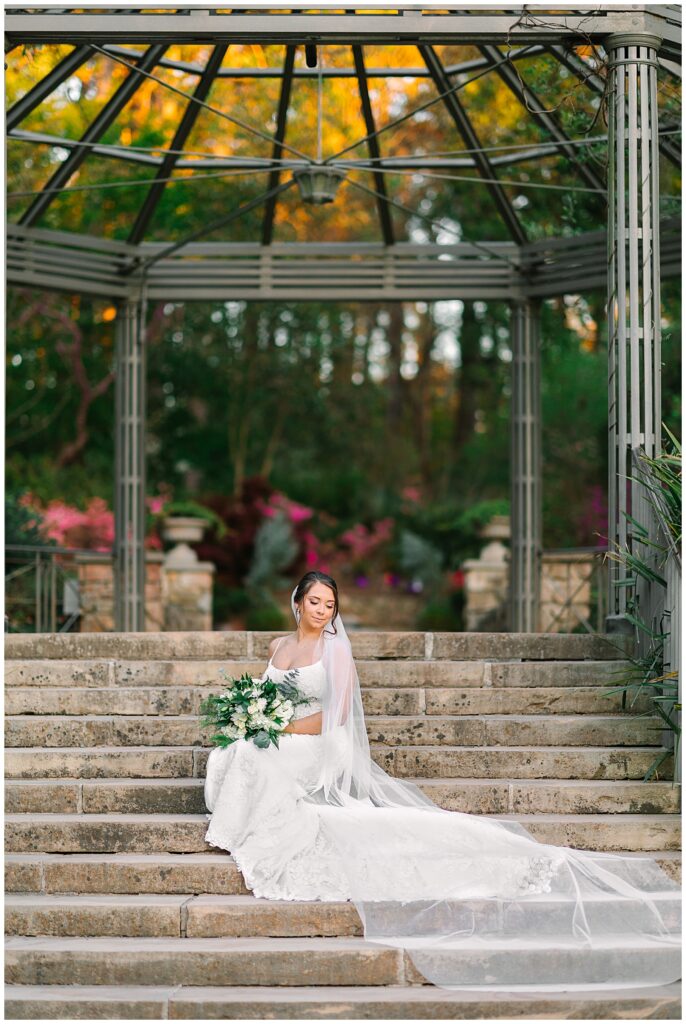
(477,902)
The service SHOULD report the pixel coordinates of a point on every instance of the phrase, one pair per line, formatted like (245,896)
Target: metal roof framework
(637,40)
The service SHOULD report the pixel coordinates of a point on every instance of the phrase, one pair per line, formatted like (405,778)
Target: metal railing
(568,599)
(42,593)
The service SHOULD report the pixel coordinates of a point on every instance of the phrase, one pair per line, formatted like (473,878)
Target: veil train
(478,902)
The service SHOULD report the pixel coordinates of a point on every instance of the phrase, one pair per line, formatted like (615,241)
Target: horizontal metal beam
(323,271)
(202,25)
(130,154)
(276,71)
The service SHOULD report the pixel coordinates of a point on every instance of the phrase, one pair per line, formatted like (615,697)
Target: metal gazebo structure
(632,252)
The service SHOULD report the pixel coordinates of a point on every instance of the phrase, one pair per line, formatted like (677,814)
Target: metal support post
(634,392)
(129,555)
(525,461)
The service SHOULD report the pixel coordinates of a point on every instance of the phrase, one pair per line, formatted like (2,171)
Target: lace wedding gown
(475,901)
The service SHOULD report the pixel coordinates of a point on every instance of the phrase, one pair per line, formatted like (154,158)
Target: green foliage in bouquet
(252,709)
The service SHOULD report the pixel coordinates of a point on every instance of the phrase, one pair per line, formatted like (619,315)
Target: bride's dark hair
(308,581)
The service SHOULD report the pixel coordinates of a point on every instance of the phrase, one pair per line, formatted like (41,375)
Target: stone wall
(565,592)
(177,597)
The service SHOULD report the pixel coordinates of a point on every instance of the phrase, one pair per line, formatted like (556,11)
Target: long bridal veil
(478,902)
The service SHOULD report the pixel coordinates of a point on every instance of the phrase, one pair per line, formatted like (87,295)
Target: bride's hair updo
(308,581)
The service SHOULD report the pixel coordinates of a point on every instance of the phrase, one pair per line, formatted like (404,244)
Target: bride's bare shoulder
(278,641)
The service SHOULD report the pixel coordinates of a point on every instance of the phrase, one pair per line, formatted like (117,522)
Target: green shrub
(444,614)
(228,602)
(17,523)
(266,617)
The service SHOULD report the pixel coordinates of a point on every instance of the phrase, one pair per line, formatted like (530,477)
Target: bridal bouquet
(252,709)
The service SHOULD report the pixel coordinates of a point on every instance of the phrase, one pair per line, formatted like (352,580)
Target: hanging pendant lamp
(318,182)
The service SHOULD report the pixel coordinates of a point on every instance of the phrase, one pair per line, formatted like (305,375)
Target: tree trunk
(395,383)
(468,379)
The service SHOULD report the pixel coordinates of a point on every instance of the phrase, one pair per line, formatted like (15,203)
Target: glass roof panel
(108,211)
(151,117)
(463,204)
(191,202)
(28,168)
(29,64)
(250,100)
(351,217)
(74,105)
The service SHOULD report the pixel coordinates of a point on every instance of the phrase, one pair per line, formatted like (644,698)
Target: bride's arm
(310,726)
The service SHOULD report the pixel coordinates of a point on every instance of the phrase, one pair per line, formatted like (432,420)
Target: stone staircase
(116,908)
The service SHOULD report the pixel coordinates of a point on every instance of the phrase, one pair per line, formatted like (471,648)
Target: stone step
(473,796)
(200,961)
(397,730)
(492,730)
(532,762)
(444,761)
(368,644)
(173,873)
(184,833)
(104,762)
(272,961)
(215,916)
(423,1002)
(186,700)
(126,674)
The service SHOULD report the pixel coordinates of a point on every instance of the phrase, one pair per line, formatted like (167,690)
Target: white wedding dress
(477,902)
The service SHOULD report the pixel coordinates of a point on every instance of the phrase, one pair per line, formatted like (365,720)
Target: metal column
(634,341)
(129,499)
(525,468)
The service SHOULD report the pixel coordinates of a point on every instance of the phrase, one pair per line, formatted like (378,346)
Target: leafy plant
(420,559)
(21,526)
(192,508)
(661,476)
(443,613)
(275,549)
(267,617)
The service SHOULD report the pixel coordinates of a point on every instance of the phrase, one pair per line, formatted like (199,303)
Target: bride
(477,902)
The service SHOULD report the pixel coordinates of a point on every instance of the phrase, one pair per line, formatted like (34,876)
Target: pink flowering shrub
(91,528)
(279,502)
(70,527)
(363,542)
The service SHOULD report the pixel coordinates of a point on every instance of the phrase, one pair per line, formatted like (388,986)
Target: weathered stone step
(473,796)
(423,1002)
(107,914)
(104,730)
(200,961)
(206,675)
(543,730)
(532,762)
(186,700)
(184,730)
(232,645)
(274,961)
(174,873)
(404,761)
(184,833)
(182,873)
(213,916)
(104,762)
